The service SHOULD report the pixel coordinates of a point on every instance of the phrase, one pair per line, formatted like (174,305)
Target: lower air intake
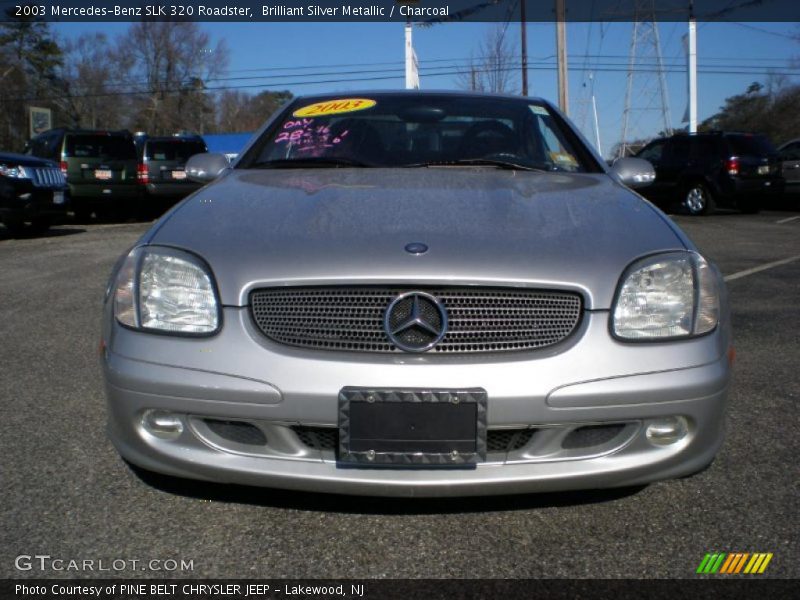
(239,432)
(591,435)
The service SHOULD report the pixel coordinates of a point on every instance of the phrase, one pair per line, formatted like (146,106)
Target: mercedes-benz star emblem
(415,321)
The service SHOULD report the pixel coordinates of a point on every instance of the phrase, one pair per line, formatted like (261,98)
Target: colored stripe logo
(734,563)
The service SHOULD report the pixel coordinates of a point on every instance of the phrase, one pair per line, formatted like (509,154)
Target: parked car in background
(705,170)
(417,294)
(100,168)
(789,155)
(32,193)
(162,168)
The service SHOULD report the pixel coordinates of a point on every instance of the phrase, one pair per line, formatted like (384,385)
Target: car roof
(173,138)
(420,93)
(98,132)
(794,141)
(716,133)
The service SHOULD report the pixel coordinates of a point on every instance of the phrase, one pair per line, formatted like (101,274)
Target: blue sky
(290,48)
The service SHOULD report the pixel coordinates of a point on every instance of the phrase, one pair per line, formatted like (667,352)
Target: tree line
(155,78)
(769,109)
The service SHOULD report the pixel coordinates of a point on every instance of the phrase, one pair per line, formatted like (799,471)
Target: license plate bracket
(412,427)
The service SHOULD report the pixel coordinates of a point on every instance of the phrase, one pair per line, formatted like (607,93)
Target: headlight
(164,289)
(14,171)
(671,295)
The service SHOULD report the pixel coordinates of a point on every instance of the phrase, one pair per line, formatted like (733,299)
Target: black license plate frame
(394,427)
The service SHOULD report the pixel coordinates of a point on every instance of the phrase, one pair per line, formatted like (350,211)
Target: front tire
(20,228)
(698,200)
(39,225)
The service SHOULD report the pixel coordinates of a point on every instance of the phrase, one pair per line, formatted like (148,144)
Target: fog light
(162,423)
(668,430)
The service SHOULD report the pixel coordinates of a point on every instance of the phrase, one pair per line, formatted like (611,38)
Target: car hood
(482,226)
(24,160)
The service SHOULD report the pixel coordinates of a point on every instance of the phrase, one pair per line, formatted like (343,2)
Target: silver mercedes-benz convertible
(417,294)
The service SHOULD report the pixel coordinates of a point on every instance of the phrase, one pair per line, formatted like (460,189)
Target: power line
(671,65)
(600,67)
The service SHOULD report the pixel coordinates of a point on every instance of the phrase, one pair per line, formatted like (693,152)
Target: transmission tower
(645,63)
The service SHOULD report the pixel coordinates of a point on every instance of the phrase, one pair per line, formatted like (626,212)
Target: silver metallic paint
(483,226)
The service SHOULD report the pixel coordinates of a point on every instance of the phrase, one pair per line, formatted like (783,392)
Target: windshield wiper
(318,162)
(489,162)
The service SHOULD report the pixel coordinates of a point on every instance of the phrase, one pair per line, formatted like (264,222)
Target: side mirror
(634,172)
(206,167)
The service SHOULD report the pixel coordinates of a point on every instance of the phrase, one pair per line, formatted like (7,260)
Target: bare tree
(94,84)
(171,64)
(494,69)
(240,111)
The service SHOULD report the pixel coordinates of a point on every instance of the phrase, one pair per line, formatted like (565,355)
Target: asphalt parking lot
(66,493)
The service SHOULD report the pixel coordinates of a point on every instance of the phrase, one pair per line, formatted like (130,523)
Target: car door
(673,167)
(705,160)
(790,164)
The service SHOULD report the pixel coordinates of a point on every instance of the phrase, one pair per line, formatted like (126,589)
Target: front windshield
(406,130)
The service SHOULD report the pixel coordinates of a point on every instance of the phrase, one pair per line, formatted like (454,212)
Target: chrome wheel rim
(695,200)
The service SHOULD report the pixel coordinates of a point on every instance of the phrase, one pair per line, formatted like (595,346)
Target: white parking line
(787,220)
(763,267)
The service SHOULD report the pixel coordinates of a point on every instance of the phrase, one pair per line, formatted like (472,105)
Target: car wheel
(40,225)
(16,227)
(697,200)
(21,228)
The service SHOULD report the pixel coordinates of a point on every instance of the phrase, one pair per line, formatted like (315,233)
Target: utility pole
(692,70)
(561,52)
(524,46)
(412,73)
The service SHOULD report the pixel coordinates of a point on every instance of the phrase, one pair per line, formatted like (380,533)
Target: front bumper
(239,375)
(103,193)
(24,201)
(736,187)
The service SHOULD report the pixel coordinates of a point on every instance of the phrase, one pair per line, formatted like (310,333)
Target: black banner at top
(418,11)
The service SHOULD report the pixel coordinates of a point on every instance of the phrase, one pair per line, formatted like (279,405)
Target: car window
(654,152)
(679,149)
(53,146)
(180,150)
(750,145)
(703,149)
(100,146)
(395,131)
(791,152)
(38,146)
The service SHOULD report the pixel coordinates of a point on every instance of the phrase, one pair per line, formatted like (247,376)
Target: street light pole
(561,52)
(692,70)
(524,45)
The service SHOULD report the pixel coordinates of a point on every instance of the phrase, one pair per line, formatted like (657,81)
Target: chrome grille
(479,319)
(48,177)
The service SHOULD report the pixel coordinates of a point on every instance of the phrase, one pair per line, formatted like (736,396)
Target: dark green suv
(162,168)
(100,167)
